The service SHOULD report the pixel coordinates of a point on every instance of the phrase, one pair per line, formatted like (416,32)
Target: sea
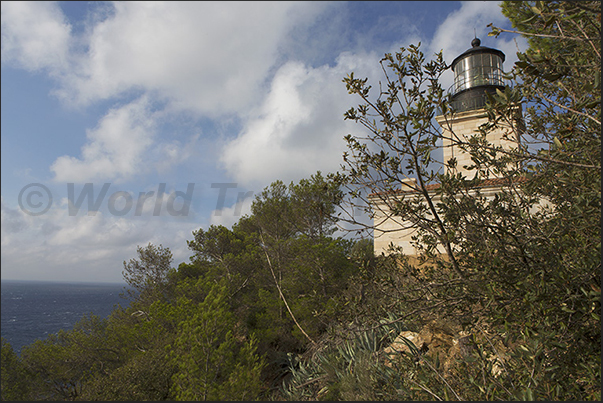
(33,310)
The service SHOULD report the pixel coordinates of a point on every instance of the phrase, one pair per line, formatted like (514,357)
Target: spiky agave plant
(354,369)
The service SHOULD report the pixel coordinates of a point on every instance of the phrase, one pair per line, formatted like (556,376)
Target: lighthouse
(477,73)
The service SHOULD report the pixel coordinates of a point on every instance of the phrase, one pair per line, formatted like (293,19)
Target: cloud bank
(147,63)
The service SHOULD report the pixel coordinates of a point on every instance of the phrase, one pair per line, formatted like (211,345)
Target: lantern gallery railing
(477,70)
(471,100)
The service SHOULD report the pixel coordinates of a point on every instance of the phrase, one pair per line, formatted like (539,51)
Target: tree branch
(281,293)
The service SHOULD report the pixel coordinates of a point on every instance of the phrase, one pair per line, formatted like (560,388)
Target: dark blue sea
(33,310)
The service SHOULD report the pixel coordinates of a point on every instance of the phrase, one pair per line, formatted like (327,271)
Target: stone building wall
(463,126)
(392,230)
(459,127)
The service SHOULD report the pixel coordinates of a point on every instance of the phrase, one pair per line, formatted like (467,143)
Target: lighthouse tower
(477,72)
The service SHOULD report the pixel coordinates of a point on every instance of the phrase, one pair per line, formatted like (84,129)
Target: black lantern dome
(477,71)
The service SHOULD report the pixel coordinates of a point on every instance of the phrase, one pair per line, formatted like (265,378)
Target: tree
(283,270)
(314,204)
(308,267)
(63,364)
(520,277)
(559,78)
(212,364)
(148,274)
(15,379)
(400,145)
(139,369)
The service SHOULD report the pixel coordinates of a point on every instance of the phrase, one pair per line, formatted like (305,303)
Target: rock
(449,347)
(400,344)
(431,340)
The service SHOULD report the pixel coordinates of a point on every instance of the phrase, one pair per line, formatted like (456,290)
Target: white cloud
(455,34)
(169,154)
(299,128)
(228,216)
(163,202)
(211,60)
(210,57)
(12,221)
(124,145)
(57,246)
(35,35)
(115,147)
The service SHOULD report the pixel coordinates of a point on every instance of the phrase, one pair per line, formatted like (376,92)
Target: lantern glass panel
(477,70)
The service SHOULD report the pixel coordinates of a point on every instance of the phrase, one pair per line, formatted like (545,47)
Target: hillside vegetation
(281,307)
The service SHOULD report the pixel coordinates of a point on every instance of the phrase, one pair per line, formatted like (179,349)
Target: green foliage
(559,80)
(145,376)
(147,275)
(211,365)
(354,368)
(505,294)
(401,144)
(520,271)
(160,353)
(282,270)
(15,382)
(64,363)
(314,203)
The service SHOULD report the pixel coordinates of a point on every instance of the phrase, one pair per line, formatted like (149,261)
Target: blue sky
(222,95)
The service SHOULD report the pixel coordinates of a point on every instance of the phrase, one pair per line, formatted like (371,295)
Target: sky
(128,123)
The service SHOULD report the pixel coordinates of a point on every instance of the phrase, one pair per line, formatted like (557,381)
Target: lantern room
(477,71)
